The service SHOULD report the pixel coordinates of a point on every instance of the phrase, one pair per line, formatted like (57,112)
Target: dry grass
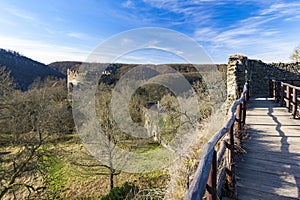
(183,169)
(75,174)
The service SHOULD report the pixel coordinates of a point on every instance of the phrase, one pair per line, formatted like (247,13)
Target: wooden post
(244,112)
(238,122)
(294,110)
(271,88)
(230,172)
(241,115)
(274,89)
(211,193)
(288,98)
(248,91)
(278,91)
(205,180)
(282,94)
(232,163)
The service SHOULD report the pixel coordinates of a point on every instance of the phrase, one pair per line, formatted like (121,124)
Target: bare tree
(109,128)
(7,87)
(33,118)
(6,83)
(295,57)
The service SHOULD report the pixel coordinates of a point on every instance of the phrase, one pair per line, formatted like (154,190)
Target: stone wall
(236,76)
(241,69)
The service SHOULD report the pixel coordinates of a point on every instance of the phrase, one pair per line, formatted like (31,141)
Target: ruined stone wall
(236,76)
(290,67)
(241,69)
(74,77)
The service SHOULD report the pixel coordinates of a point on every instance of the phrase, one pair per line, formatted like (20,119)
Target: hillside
(25,70)
(62,66)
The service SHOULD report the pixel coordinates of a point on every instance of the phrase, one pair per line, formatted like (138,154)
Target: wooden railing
(287,94)
(217,161)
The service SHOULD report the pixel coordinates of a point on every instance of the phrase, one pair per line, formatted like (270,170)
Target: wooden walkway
(271,167)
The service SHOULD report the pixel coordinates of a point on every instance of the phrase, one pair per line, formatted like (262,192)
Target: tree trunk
(111,178)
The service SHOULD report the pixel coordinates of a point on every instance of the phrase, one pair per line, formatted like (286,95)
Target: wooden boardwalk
(271,167)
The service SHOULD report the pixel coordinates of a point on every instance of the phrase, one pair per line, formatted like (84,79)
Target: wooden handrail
(208,179)
(287,94)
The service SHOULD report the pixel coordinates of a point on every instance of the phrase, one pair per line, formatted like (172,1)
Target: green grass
(92,181)
(56,176)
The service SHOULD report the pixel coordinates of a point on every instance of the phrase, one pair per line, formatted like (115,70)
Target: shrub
(127,190)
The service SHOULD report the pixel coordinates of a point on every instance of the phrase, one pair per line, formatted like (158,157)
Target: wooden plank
(267,135)
(268,176)
(274,156)
(276,160)
(284,190)
(272,183)
(268,172)
(271,167)
(275,148)
(253,194)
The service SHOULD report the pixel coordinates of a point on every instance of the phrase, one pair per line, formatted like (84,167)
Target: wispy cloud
(259,33)
(150,56)
(196,11)
(128,4)
(77,35)
(251,27)
(7,22)
(83,37)
(43,51)
(237,33)
(59,19)
(179,6)
(288,9)
(22,14)
(255,31)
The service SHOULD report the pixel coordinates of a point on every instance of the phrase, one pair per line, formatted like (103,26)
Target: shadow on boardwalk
(271,167)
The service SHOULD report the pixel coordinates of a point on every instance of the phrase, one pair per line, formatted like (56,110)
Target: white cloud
(261,32)
(259,36)
(42,51)
(22,14)
(282,9)
(128,4)
(7,22)
(275,52)
(127,41)
(83,36)
(59,19)
(166,50)
(150,56)
(195,12)
(254,35)
(77,35)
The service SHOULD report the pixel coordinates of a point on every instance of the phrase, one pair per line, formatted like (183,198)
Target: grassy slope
(73,174)
(67,178)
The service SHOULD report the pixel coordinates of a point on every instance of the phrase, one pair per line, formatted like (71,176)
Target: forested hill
(25,70)
(63,66)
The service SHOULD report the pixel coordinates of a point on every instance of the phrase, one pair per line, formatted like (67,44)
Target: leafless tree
(295,57)
(32,119)
(109,128)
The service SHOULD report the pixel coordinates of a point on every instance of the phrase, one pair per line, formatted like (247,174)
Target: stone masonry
(241,69)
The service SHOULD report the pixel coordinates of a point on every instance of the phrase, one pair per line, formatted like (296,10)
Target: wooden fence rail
(287,94)
(217,160)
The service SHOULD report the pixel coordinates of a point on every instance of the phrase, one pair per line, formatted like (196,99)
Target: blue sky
(60,30)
